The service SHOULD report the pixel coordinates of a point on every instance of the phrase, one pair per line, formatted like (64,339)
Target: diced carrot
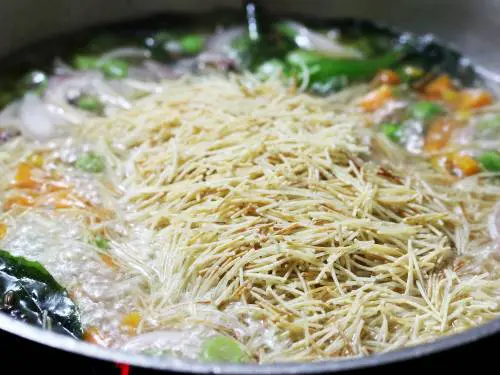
(464,165)
(473,98)
(439,134)
(24,177)
(3,230)
(108,260)
(19,200)
(93,336)
(439,86)
(387,76)
(376,98)
(131,320)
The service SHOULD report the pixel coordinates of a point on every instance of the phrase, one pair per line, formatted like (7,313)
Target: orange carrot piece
(93,336)
(464,165)
(3,230)
(439,134)
(19,200)
(131,320)
(108,260)
(387,76)
(473,98)
(439,86)
(376,98)
(24,177)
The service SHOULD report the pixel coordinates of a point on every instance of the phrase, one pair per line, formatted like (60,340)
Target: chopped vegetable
(376,98)
(24,176)
(490,161)
(84,62)
(18,200)
(439,86)
(473,98)
(36,81)
(409,73)
(322,69)
(108,260)
(3,230)
(464,164)
(438,135)
(223,349)
(392,131)
(101,242)
(89,103)
(93,336)
(114,68)
(192,44)
(90,162)
(131,320)
(29,293)
(425,110)
(387,76)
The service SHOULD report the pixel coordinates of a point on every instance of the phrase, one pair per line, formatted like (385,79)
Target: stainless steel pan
(473,26)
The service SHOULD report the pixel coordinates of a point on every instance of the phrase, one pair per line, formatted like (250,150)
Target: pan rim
(68,344)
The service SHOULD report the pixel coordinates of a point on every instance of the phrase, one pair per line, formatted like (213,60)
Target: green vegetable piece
(89,103)
(114,68)
(425,110)
(392,131)
(410,73)
(29,293)
(35,80)
(223,349)
(90,162)
(490,160)
(101,242)
(192,44)
(85,62)
(322,69)
(270,68)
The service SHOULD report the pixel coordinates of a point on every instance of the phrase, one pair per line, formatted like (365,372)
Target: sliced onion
(37,120)
(127,53)
(221,41)
(313,41)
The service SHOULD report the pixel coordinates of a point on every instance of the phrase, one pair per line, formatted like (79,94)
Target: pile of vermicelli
(262,205)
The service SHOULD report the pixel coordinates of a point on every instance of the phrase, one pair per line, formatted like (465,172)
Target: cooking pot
(471,26)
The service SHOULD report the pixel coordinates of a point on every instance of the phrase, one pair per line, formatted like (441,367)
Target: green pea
(425,110)
(90,162)
(85,62)
(490,160)
(101,242)
(114,68)
(392,131)
(89,103)
(223,349)
(192,44)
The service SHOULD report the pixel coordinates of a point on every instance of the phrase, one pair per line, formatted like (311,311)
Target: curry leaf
(29,293)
